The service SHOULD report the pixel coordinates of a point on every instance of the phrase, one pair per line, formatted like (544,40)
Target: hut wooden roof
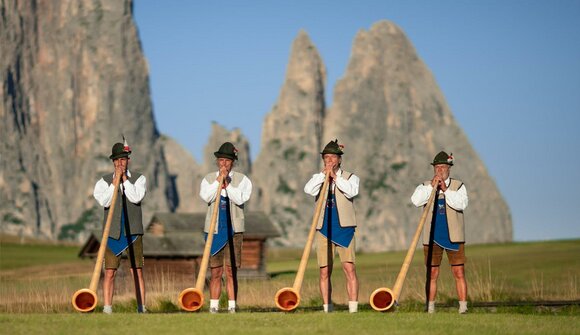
(182,234)
(182,245)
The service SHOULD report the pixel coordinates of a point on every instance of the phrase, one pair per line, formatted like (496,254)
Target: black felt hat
(333,148)
(227,150)
(119,150)
(443,158)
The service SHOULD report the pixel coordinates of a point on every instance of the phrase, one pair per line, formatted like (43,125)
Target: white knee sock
(353,306)
(431,308)
(214,303)
(462,306)
(327,308)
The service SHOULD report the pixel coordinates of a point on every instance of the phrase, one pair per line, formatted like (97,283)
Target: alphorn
(85,299)
(382,299)
(191,299)
(288,298)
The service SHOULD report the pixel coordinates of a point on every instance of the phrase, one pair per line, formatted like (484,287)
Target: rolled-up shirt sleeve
(457,199)
(421,195)
(239,195)
(207,191)
(135,192)
(103,192)
(349,187)
(313,186)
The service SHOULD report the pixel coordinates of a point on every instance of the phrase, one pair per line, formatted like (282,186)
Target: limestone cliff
(291,143)
(73,80)
(393,119)
(185,174)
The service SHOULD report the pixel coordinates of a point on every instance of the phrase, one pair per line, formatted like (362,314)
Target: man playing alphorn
(448,225)
(336,228)
(228,236)
(126,227)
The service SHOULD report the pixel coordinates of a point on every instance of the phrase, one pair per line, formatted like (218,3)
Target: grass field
(296,323)
(38,280)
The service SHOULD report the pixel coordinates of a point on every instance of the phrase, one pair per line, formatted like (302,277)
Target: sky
(509,70)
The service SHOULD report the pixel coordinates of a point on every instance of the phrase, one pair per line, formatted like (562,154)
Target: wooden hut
(173,243)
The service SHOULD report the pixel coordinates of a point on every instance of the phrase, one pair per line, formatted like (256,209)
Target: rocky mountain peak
(390,112)
(291,140)
(74,79)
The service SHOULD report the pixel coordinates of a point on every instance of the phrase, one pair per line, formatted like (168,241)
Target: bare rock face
(393,119)
(291,140)
(186,175)
(73,80)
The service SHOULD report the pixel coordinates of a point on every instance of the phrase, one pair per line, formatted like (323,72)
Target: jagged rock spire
(291,139)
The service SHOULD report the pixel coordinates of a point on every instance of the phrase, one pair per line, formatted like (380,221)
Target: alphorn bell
(191,299)
(85,299)
(382,299)
(288,298)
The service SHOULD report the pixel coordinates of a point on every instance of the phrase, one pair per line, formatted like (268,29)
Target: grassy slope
(512,271)
(552,265)
(14,256)
(501,272)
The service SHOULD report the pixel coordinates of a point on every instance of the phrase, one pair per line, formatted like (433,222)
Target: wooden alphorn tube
(382,299)
(191,299)
(85,299)
(288,298)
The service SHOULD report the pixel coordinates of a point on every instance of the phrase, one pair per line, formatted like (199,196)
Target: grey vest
(454,218)
(133,215)
(344,205)
(236,212)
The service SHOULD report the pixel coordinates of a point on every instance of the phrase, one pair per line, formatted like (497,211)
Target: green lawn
(295,323)
(547,270)
(41,278)
(14,256)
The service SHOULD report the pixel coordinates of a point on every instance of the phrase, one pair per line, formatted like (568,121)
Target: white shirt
(103,191)
(455,199)
(349,187)
(238,195)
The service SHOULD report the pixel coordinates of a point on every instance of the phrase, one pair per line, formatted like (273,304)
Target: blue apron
(225,231)
(331,228)
(118,246)
(441,236)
